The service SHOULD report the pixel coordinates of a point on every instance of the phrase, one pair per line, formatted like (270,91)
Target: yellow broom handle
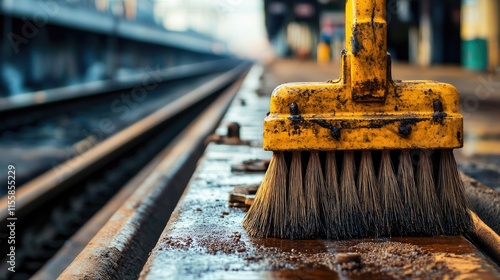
(366,46)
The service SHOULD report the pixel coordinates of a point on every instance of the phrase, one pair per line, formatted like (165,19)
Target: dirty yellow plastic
(364,108)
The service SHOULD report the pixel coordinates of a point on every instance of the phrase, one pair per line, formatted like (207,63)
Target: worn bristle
(332,222)
(290,205)
(412,222)
(369,195)
(390,196)
(454,204)
(315,193)
(351,217)
(296,199)
(269,208)
(426,189)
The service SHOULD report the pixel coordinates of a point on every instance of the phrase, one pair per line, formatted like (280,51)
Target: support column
(425,42)
(493,13)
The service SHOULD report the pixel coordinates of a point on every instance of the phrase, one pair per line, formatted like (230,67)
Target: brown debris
(384,259)
(242,196)
(251,165)
(348,258)
(246,189)
(401,260)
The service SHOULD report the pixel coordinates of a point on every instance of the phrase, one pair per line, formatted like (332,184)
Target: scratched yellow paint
(364,108)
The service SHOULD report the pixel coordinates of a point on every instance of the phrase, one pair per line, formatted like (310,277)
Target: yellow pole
(366,46)
(323,53)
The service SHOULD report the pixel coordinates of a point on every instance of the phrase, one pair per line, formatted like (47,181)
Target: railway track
(52,207)
(50,127)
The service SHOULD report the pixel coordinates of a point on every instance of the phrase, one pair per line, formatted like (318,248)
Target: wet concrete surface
(204,238)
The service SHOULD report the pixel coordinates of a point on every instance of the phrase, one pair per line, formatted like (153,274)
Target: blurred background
(55,43)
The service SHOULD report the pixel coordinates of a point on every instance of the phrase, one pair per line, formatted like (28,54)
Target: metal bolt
(438,106)
(233,130)
(294,109)
(404,129)
(294,113)
(438,115)
(335,132)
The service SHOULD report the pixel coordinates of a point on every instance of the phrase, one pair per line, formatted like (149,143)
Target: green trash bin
(475,54)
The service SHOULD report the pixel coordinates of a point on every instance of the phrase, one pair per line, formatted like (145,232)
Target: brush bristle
(269,208)
(390,196)
(454,204)
(332,222)
(351,216)
(296,199)
(406,180)
(426,189)
(315,193)
(369,195)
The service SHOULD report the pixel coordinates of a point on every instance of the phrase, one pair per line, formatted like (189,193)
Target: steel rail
(56,265)
(485,238)
(50,96)
(120,248)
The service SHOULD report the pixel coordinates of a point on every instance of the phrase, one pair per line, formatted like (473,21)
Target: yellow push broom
(365,155)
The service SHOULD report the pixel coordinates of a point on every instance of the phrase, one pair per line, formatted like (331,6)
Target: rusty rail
(486,238)
(121,247)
